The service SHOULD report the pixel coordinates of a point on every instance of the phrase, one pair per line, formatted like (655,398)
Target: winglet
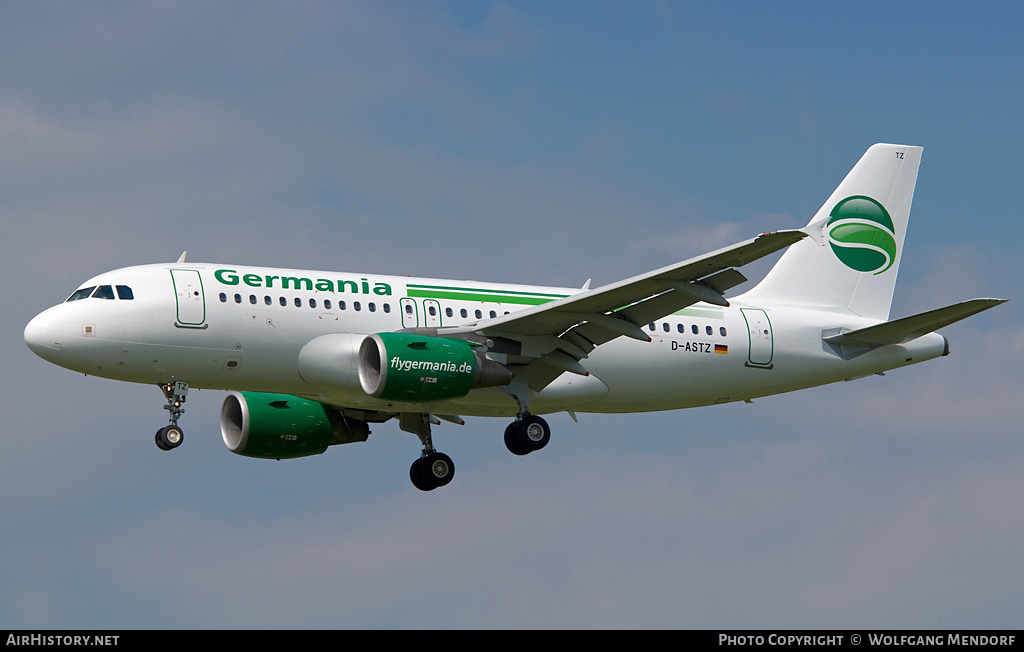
(181,258)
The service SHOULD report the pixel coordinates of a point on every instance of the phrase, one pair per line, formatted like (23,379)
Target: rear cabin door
(761,344)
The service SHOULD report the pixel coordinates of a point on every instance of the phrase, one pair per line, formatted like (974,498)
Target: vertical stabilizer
(849,262)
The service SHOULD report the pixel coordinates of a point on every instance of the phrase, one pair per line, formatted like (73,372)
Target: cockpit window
(103,292)
(82,294)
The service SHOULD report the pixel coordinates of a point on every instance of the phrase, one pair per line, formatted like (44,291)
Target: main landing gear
(433,469)
(526,434)
(171,436)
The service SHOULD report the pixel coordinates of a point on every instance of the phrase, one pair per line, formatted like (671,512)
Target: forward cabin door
(191,301)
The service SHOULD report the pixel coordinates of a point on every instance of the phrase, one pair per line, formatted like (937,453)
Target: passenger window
(432,310)
(709,330)
(238,298)
(722,331)
(387,307)
(341,305)
(283,301)
(103,292)
(478,314)
(448,312)
(252,299)
(696,331)
(680,328)
(650,326)
(298,302)
(493,314)
(125,293)
(357,306)
(82,294)
(408,308)
(463,313)
(372,306)
(223,297)
(664,327)
(327,304)
(312,303)
(267,300)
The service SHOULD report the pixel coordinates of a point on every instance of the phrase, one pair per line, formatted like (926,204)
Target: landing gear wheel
(438,469)
(526,435)
(433,471)
(169,437)
(536,432)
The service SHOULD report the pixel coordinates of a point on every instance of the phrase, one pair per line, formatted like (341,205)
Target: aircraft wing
(563,332)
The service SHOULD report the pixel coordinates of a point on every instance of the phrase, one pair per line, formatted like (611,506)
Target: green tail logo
(862,234)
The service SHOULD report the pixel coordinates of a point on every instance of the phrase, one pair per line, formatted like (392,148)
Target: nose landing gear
(171,436)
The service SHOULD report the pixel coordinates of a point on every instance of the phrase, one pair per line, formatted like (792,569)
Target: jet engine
(279,426)
(422,368)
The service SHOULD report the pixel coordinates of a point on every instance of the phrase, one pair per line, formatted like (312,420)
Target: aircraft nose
(44,335)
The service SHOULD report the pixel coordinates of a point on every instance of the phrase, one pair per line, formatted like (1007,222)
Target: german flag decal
(721,348)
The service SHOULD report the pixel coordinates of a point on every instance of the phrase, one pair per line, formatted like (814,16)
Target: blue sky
(536,142)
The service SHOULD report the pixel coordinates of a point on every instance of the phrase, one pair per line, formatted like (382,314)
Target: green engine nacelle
(424,369)
(280,426)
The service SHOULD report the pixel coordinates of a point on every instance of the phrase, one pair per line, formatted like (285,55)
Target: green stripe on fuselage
(707,313)
(479,294)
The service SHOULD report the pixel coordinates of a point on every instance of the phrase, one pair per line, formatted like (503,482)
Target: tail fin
(849,262)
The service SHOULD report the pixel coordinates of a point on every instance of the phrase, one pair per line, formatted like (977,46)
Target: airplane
(311,358)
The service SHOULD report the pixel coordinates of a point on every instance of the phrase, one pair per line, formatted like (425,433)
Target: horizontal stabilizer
(913,327)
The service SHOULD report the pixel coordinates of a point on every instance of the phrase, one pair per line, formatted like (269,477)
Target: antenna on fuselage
(181,259)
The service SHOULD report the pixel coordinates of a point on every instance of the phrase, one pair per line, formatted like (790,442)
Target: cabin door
(191,302)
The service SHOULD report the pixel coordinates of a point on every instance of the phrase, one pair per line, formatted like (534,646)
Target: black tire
(169,437)
(419,477)
(514,439)
(158,438)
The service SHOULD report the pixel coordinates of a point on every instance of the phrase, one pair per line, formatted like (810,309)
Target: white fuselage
(243,328)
